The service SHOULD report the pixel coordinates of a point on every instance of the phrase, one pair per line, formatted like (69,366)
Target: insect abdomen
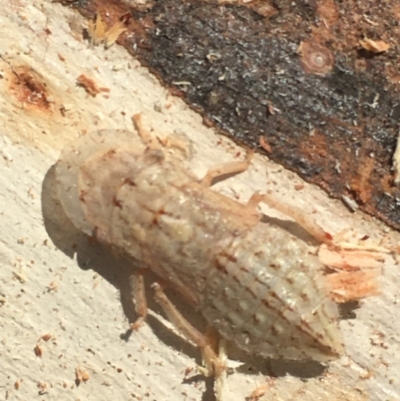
(270,299)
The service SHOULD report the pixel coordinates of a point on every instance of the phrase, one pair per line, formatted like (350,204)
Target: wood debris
(374,46)
(90,85)
(81,375)
(100,33)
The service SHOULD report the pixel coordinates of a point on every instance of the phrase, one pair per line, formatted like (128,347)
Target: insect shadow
(91,255)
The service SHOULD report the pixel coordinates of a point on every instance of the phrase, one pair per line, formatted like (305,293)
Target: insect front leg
(138,291)
(147,138)
(154,142)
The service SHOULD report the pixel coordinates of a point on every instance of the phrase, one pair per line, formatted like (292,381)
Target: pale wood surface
(45,288)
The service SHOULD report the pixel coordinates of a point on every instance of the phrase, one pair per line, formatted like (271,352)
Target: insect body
(255,283)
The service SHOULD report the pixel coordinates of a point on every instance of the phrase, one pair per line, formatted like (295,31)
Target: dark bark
(327,108)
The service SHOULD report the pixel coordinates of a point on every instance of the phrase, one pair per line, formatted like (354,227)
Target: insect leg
(212,362)
(297,214)
(220,380)
(136,282)
(148,139)
(225,169)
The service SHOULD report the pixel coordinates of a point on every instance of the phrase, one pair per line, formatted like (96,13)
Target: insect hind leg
(297,214)
(213,365)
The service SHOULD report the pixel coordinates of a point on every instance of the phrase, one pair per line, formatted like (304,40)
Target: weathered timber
(327,107)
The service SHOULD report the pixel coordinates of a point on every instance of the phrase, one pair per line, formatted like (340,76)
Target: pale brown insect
(255,283)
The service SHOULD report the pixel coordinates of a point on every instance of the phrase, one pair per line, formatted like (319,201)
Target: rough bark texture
(326,107)
(61,296)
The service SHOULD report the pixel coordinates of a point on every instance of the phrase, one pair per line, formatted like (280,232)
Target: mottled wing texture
(267,295)
(255,283)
